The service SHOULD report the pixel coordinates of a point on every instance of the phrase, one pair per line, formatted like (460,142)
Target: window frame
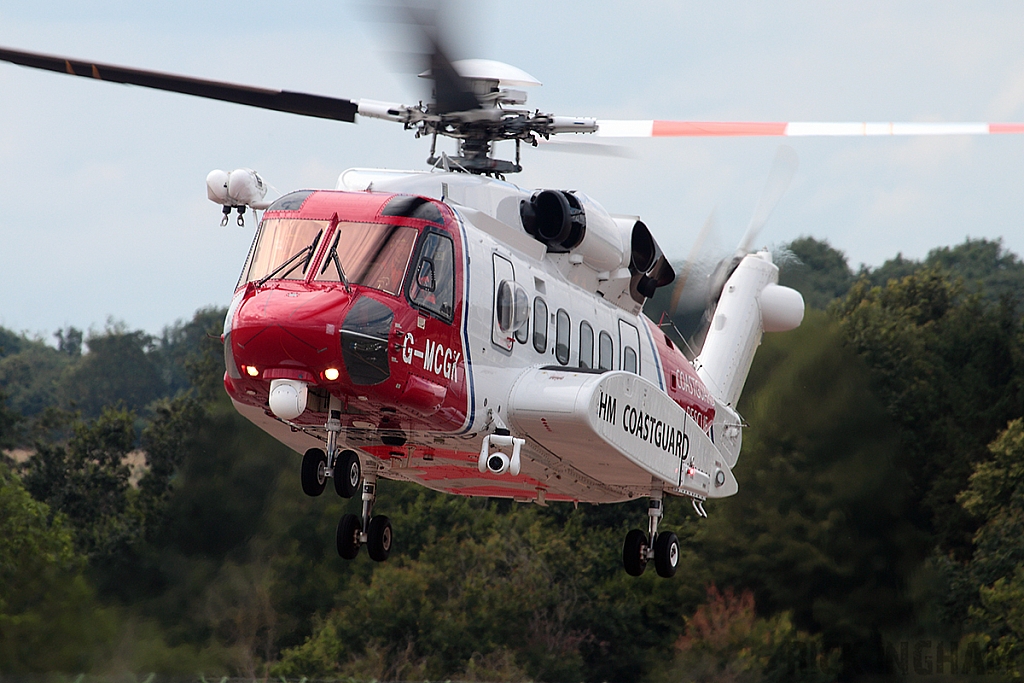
(540,332)
(600,351)
(590,355)
(412,273)
(562,356)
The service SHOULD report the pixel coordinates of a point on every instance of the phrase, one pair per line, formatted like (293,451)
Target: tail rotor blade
(692,266)
(783,169)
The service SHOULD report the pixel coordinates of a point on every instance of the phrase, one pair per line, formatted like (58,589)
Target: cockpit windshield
(368,254)
(287,245)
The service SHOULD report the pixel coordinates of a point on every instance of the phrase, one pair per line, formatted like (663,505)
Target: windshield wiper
(332,257)
(305,251)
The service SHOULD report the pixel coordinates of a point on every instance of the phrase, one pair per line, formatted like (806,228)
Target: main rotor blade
(452,92)
(277,100)
(616,128)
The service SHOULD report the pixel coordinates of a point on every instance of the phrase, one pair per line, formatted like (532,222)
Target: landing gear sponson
(640,548)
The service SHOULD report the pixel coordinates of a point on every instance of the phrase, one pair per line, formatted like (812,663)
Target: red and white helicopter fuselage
(465,354)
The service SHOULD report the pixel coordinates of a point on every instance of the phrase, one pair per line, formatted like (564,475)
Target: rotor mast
(478,107)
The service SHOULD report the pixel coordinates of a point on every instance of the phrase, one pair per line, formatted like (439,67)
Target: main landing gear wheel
(666,554)
(347,473)
(634,553)
(378,538)
(349,529)
(314,472)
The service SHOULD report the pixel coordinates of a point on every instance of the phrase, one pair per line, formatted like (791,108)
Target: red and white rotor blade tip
(618,128)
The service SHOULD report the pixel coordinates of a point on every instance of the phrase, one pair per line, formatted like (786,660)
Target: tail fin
(751,303)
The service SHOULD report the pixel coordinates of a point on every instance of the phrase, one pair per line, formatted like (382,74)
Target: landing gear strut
(318,466)
(640,548)
(355,530)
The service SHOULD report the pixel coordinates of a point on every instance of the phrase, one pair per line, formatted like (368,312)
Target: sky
(103,208)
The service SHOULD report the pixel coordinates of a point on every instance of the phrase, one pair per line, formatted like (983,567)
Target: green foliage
(820,272)
(87,480)
(984,265)
(1001,610)
(487,583)
(9,423)
(31,377)
(819,527)
(49,619)
(165,442)
(994,577)
(189,355)
(947,368)
(725,640)
(864,428)
(117,370)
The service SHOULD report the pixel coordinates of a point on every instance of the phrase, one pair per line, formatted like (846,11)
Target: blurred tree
(819,527)
(49,619)
(984,265)
(947,368)
(820,272)
(69,341)
(10,343)
(994,577)
(190,355)
(32,377)
(10,422)
(87,481)
(116,371)
(726,641)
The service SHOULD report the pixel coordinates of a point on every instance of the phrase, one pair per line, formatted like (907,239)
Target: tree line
(881,506)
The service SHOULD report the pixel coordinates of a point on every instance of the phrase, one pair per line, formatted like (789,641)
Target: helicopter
(454,330)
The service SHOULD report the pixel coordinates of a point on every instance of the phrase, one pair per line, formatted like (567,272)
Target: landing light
(331,374)
(251,371)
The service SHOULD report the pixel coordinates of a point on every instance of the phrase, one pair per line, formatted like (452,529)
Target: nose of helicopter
(291,331)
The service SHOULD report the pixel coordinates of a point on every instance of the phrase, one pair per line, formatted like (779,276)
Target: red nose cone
(286,328)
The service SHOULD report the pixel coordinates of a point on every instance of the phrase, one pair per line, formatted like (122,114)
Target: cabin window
(432,286)
(540,325)
(369,254)
(586,346)
(563,329)
(606,352)
(285,249)
(523,333)
(629,360)
(629,342)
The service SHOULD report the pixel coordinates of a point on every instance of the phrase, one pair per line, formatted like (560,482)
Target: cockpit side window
(432,284)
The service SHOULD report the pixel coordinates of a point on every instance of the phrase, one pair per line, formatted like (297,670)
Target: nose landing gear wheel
(634,553)
(314,472)
(348,536)
(378,538)
(666,554)
(347,473)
